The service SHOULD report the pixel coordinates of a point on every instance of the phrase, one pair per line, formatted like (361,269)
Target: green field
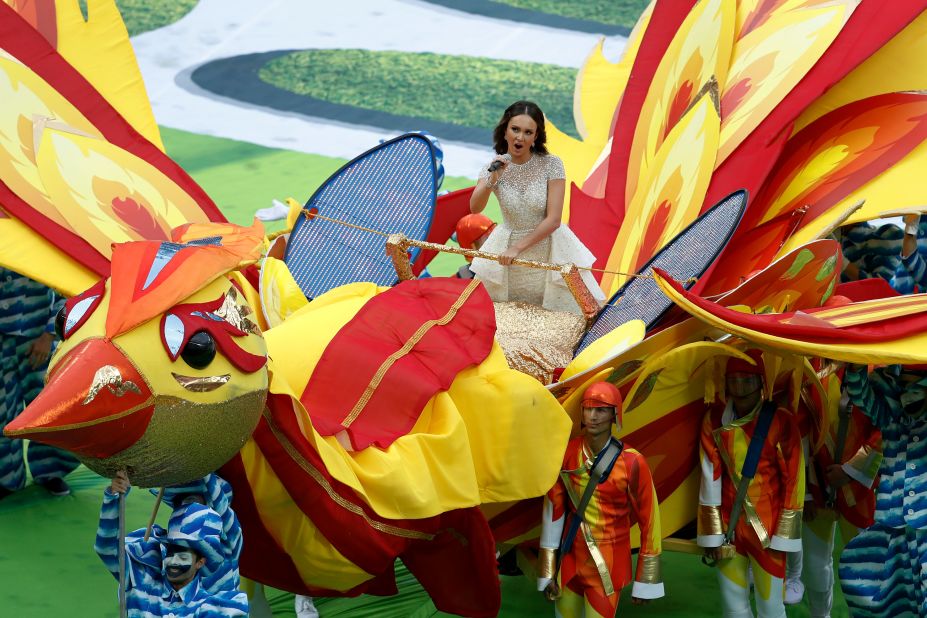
(612,12)
(460,90)
(49,568)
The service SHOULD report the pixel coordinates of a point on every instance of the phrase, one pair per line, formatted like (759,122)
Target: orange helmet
(737,365)
(471,227)
(602,394)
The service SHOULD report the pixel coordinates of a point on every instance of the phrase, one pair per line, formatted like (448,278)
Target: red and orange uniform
(772,511)
(852,505)
(598,566)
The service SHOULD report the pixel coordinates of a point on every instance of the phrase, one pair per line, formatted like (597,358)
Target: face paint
(179,564)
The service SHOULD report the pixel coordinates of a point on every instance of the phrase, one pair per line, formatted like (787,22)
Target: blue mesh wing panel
(687,255)
(390,188)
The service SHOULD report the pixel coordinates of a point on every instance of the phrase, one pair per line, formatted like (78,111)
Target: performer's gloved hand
(837,476)
(810,511)
(552,592)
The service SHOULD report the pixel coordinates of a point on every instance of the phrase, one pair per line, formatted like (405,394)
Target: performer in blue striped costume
(882,571)
(190,569)
(27,331)
(871,252)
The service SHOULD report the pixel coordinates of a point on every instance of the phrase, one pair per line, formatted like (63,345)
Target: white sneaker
(794,591)
(305,608)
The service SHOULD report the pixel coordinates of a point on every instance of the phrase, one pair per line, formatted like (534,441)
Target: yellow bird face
(168,400)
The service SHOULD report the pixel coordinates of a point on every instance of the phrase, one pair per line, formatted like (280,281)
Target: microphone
(494,166)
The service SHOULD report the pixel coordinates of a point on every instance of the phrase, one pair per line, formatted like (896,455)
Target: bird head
(162,370)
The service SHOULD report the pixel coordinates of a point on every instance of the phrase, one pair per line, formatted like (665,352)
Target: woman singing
(529,184)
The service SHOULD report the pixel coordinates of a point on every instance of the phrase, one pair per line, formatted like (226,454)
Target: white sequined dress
(522,195)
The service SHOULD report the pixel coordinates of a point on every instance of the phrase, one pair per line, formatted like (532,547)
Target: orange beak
(95,403)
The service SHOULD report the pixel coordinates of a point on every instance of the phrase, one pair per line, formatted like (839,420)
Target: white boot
(820,603)
(305,608)
(794,591)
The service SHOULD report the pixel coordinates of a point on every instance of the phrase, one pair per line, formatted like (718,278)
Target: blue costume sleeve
(872,394)
(57,302)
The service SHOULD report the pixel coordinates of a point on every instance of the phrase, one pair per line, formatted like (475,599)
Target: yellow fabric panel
(28,253)
(670,199)
(297,344)
(910,350)
(770,60)
(599,85)
(628,363)
(680,376)
(608,346)
(456,455)
(317,561)
(896,67)
(108,195)
(700,50)
(100,50)
(280,294)
(900,186)
(517,449)
(22,89)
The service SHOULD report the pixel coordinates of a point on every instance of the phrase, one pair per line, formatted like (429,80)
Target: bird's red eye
(78,310)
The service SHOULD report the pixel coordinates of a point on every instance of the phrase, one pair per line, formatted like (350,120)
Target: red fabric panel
(517,520)
(348,530)
(449,208)
(672,440)
(667,16)
(458,568)
(866,289)
(460,537)
(381,328)
(262,558)
(774,324)
(595,224)
(897,121)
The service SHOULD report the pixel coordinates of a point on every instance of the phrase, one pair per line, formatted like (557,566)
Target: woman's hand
(494,176)
(506,257)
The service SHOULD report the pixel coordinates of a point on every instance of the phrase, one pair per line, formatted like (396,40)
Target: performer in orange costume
(838,493)
(597,564)
(841,493)
(771,522)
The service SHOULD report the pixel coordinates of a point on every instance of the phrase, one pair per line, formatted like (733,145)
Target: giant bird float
(377,422)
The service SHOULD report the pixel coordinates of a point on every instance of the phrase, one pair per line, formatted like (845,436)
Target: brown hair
(518,108)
